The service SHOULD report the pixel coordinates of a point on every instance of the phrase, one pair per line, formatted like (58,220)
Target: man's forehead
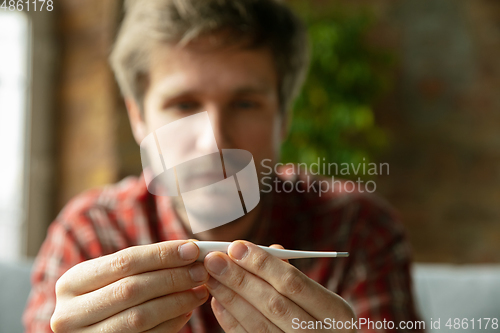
(178,70)
(216,43)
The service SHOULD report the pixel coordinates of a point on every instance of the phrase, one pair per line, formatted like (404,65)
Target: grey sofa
(442,292)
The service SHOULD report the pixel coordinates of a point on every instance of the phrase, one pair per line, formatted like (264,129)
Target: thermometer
(206,247)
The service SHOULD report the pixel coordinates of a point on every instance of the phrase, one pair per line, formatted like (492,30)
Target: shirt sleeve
(58,253)
(379,285)
(71,239)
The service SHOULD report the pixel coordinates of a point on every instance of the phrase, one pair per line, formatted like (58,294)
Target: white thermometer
(206,247)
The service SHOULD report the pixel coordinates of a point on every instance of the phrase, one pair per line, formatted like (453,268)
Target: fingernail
(238,250)
(216,265)
(212,283)
(188,251)
(200,292)
(218,307)
(198,273)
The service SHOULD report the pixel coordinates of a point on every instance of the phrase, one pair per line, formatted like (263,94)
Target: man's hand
(254,291)
(151,288)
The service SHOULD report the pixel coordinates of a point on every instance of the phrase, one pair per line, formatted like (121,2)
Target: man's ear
(136,119)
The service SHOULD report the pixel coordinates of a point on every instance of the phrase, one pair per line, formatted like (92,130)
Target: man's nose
(220,130)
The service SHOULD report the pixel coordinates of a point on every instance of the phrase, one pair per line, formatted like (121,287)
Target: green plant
(333,116)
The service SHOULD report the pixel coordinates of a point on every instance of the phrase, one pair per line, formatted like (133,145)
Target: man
(117,259)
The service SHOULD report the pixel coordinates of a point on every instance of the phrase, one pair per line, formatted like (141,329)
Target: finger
(137,289)
(172,325)
(278,246)
(290,282)
(97,273)
(228,323)
(243,312)
(150,314)
(274,306)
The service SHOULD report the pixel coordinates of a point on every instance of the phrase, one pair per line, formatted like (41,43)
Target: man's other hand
(151,288)
(254,291)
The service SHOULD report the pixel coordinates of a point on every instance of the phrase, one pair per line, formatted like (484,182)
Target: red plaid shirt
(374,279)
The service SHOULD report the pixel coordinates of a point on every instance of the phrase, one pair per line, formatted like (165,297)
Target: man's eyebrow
(252,90)
(178,93)
(181,93)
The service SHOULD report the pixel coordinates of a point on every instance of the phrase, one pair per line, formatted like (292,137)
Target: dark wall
(443,117)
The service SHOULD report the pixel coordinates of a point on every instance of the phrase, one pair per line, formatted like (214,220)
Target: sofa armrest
(457,291)
(14,290)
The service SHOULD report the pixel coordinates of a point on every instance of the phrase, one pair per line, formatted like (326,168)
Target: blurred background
(411,83)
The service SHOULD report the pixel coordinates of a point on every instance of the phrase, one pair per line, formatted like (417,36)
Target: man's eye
(244,104)
(186,106)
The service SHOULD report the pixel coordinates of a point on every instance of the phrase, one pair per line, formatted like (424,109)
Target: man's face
(237,87)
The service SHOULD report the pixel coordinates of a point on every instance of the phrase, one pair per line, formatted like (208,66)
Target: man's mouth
(211,177)
(190,182)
